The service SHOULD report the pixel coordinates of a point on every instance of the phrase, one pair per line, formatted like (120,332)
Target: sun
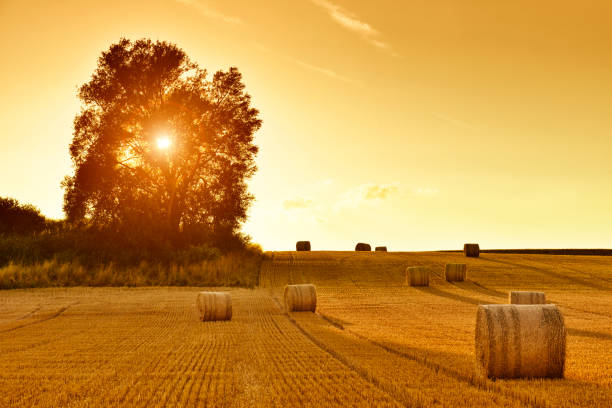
(163,142)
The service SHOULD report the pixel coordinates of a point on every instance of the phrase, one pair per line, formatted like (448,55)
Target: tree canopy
(18,218)
(160,148)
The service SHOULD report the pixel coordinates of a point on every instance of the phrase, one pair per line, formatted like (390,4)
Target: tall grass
(93,248)
(233,269)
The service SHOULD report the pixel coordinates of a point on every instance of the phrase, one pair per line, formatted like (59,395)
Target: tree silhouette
(18,218)
(158,147)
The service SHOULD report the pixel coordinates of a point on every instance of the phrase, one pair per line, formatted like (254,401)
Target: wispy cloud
(351,22)
(378,191)
(260,47)
(453,121)
(367,193)
(297,203)
(209,12)
(324,71)
(425,191)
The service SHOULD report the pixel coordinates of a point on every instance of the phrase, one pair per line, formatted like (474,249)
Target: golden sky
(416,124)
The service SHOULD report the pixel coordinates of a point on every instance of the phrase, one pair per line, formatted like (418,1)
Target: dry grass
(514,341)
(433,327)
(372,342)
(233,269)
(214,306)
(522,297)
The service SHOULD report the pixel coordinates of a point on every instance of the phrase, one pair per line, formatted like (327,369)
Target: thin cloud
(369,193)
(324,71)
(297,203)
(350,22)
(455,122)
(207,11)
(260,47)
(379,192)
(425,191)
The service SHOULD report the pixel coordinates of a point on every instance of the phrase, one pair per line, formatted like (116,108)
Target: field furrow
(374,341)
(366,296)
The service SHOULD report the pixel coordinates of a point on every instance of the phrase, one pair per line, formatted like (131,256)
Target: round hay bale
(417,276)
(455,272)
(301,298)
(381,249)
(363,247)
(518,297)
(471,250)
(214,306)
(302,246)
(520,341)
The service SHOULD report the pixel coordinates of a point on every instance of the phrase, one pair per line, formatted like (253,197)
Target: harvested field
(521,297)
(373,342)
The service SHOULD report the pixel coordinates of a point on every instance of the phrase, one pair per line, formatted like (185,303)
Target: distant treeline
(563,251)
(16,218)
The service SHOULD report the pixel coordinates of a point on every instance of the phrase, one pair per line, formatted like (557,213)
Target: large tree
(158,146)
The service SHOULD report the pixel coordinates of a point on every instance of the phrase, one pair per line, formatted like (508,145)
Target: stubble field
(373,342)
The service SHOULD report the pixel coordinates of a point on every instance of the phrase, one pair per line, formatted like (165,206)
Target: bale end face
(417,276)
(471,250)
(363,247)
(301,298)
(455,272)
(381,249)
(520,341)
(302,246)
(518,297)
(214,306)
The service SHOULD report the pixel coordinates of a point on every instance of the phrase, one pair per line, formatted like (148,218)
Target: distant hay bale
(301,298)
(518,341)
(417,276)
(302,246)
(517,297)
(363,247)
(471,250)
(455,272)
(381,249)
(214,306)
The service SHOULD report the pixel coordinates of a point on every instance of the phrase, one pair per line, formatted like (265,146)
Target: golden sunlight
(163,142)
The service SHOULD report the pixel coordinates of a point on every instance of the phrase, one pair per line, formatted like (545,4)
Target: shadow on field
(460,298)
(589,333)
(459,366)
(550,273)
(474,286)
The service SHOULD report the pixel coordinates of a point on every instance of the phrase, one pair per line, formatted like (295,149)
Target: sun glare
(163,142)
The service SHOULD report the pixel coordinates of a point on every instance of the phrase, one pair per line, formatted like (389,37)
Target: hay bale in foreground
(455,272)
(301,298)
(417,276)
(381,249)
(363,247)
(471,250)
(518,341)
(302,246)
(214,306)
(518,297)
